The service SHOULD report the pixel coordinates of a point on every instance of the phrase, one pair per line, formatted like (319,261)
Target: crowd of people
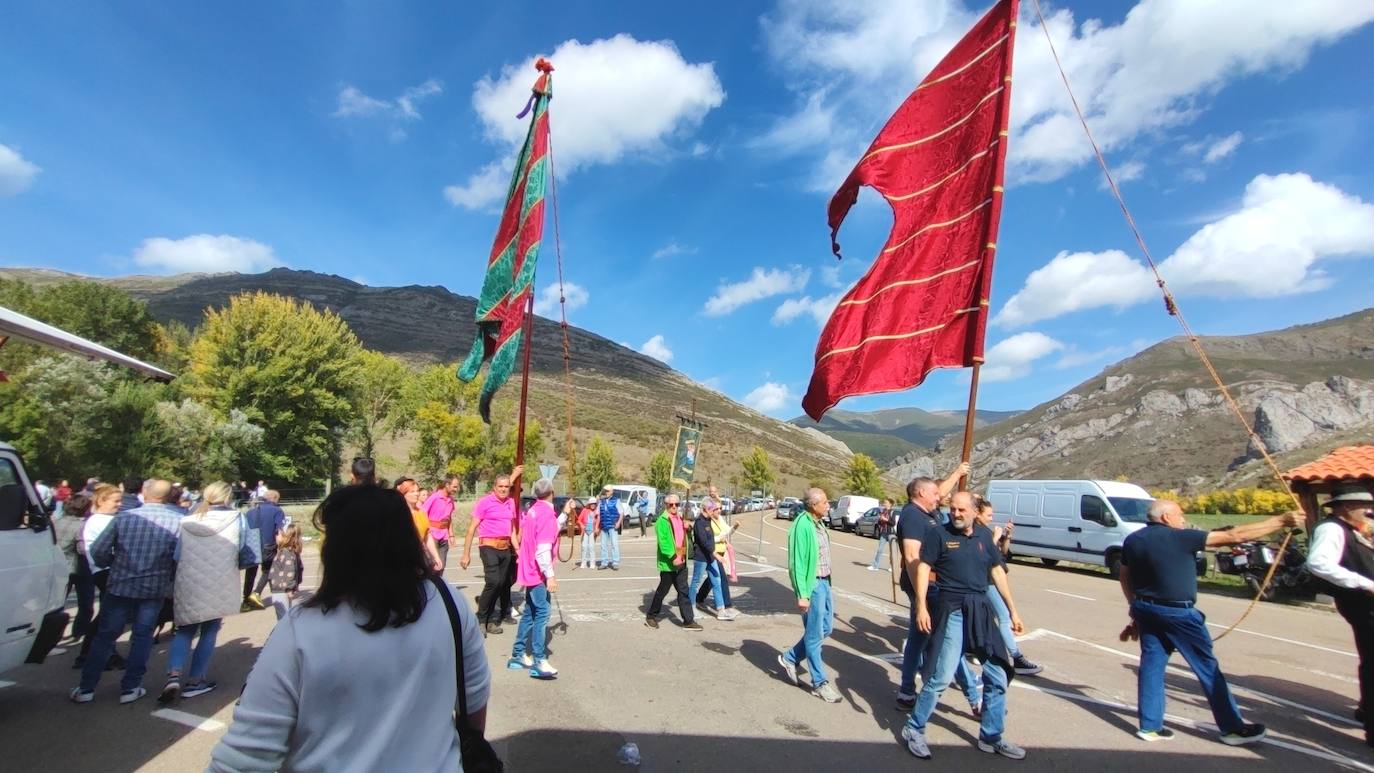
(151,560)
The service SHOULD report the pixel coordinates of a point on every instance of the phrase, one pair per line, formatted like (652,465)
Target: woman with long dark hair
(363,675)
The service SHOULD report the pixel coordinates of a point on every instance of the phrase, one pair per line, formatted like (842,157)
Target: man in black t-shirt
(1159,579)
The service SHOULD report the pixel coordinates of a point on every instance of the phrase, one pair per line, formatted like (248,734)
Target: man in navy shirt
(1159,580)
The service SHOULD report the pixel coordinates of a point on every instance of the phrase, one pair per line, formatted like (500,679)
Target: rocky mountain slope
(891,433)
(618,393)
(1158,419)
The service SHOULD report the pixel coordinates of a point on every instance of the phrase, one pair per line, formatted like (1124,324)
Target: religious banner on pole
(685,454)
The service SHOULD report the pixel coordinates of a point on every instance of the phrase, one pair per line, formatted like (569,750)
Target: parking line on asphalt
(4,684)
(190,720)
(1329,756)
(1235,688)
(1289,641)
(1070,595)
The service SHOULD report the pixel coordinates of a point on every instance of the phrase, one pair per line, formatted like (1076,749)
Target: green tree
(447,443)
(758,473)
(291,369)
(104,314)
(597,467)
(862,477)
(381,384)
(198,446)
(659,471)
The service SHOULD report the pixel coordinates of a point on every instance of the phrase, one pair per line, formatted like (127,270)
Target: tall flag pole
(939,163)
(505,309)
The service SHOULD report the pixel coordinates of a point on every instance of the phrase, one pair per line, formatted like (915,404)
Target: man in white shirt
(1342,554)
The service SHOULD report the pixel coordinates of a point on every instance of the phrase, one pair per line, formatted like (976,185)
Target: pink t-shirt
(493,517)
(439,509)
(538,529)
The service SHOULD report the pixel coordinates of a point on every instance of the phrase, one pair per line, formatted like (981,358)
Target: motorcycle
(1252,560)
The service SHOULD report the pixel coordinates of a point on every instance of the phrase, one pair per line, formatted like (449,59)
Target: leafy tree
(862,477)
(381,384)
(291,369)
(200,447)
(447,443)
(500,456)
(597,467)
(758,474)
(659,471)
(104,314)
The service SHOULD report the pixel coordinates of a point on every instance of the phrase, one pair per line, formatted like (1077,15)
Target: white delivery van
(627,491)
(1070,520)
(849,509)
(33,571)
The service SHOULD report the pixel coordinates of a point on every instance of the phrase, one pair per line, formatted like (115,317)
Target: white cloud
(546,302)
(482,190)
(1223,147)
(859,60)
(673,249)
(1127,172)
(770,397)
(1072,356)
(1012,358)
(205,253)
(353,103)
(612,97)
(1271,246)
(657,348)
(818,308)
(713,383)
(1073,281)
(16,172)
(761,284)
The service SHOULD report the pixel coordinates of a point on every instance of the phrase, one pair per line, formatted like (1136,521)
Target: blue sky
(696,148)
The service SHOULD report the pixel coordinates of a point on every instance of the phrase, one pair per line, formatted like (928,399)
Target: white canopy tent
(16,325)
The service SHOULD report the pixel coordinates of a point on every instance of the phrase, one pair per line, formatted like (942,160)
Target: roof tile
(1347,462)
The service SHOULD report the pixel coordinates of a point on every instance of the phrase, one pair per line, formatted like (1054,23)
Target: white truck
(1070,520)
(33,571)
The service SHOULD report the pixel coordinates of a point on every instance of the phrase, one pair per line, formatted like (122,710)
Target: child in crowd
(287,569)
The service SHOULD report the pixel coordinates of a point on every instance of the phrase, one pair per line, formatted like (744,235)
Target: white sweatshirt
(1324,558)
(325,695)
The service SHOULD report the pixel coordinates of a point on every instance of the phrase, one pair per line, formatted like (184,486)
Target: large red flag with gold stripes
(938,162)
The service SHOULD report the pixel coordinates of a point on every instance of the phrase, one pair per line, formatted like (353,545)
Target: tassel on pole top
(541,85)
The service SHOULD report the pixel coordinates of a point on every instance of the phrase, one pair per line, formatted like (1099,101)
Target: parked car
(867,525)
(1070,520)
(788,508)
(848,509)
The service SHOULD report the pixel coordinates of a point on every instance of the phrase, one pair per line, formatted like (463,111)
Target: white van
(1070,520)
(33,571)
(624,491)
(848,510)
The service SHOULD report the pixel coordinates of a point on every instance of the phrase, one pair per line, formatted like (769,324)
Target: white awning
(16,325)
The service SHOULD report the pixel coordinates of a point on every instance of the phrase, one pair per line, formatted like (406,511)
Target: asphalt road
(716,700)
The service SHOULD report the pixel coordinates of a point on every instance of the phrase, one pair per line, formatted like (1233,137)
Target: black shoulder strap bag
(477,752)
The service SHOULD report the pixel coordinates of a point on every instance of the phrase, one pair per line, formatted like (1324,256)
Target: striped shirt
(822,551)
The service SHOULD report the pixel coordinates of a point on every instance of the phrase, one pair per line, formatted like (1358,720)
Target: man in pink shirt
(534,571)
(493,520)
(439,509)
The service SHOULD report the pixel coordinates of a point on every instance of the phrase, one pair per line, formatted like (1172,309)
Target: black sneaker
(1162,734)
(199,688)
(651,622)
(906,701)
(1026,667)
(170,691)
(1248,734)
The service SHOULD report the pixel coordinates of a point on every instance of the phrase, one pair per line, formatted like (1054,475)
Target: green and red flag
(509,283)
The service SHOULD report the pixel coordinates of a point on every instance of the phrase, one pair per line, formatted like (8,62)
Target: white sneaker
(872,568)
(727,614)
(543,670)
(521,663)
(129,696)
(916,743)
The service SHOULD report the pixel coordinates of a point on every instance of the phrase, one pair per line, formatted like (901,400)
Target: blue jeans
(914,658)
(1163,630)
(115,613)
(1004,621)
(534,623)
(610,547)
(700,569)
(819,620)
(588,542)
(181,649)
(883,541)
(948,656)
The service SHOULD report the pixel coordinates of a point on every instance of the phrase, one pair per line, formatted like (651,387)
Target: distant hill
(618,393)
(890,433)
(1158,419)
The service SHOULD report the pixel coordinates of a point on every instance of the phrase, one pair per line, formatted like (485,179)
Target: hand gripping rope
(1171,306)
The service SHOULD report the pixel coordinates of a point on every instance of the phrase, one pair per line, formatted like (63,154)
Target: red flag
(938,162)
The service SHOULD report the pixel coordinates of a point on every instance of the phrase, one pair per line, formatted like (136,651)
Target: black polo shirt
(1162,561)
(913,523)
(963,561)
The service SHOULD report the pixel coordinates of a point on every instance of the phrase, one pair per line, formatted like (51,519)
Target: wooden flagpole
(968,421)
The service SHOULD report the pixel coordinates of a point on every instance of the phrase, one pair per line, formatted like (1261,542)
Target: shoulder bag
(476,751)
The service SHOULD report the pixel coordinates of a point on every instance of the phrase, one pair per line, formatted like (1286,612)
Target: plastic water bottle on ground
(628,755)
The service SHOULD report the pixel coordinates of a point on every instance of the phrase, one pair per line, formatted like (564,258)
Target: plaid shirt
(139,546)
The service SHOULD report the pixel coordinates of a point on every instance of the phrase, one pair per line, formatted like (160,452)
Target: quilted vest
(207,580)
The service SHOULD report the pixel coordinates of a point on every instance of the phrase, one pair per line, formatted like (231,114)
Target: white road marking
(1032,636)
(190,720)
(1235,688)
(4,684)
(1289,641)
(1070,595)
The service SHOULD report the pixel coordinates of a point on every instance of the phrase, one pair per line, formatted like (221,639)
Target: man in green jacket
(808,566)
(672,565)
